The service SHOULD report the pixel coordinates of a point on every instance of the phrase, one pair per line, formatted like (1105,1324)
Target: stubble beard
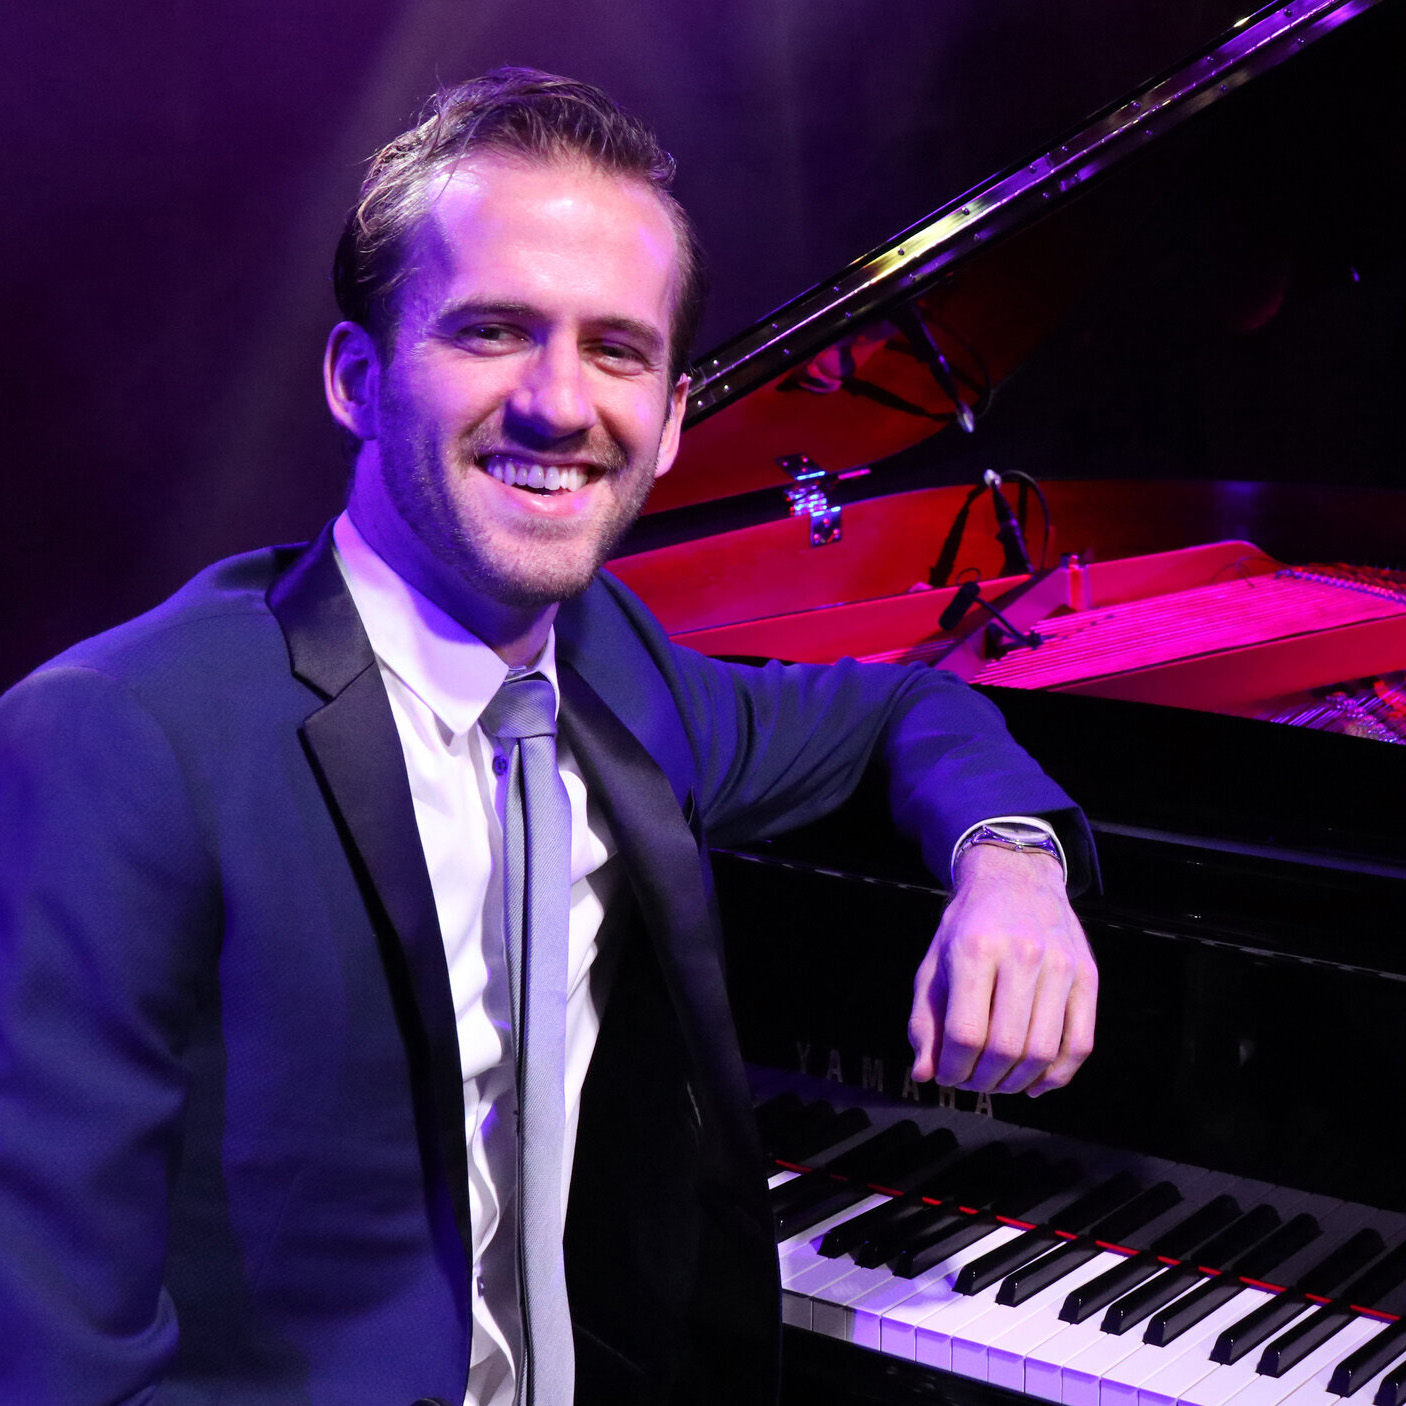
(548,561)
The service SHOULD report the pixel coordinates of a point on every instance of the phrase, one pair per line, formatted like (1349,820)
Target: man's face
(526,408)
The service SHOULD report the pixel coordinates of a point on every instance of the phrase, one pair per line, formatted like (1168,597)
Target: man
(257,1025)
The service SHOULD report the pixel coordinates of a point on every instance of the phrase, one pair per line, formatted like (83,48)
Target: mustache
(600,451)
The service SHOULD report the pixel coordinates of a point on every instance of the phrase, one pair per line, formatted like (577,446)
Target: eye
(621,356)
(489,337)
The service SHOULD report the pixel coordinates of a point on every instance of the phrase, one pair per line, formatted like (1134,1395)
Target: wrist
(1014,835)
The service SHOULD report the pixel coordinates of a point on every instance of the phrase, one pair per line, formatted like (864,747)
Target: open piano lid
(844,373)
(992,273)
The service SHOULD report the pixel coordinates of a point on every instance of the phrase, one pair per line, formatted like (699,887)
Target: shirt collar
(446,666)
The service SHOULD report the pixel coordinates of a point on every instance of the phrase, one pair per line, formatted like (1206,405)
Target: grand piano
(1214,664)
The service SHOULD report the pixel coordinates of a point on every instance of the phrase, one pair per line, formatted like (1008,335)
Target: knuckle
(962,1035)
(1028,951)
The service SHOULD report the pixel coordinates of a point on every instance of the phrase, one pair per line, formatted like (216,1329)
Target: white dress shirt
(439,679)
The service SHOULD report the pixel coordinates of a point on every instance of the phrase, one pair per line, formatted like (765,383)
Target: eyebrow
(650,338)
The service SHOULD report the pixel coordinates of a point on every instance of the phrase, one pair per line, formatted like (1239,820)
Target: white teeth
(525,474)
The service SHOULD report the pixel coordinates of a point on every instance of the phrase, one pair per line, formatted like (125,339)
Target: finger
(971,984)
(1044,1040)
(1079,1020)
(925,1019)
(1016,983)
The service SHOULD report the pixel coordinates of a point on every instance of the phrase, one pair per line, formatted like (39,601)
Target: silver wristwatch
(1008,834)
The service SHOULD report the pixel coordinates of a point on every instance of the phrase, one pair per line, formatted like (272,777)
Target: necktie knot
(523,707)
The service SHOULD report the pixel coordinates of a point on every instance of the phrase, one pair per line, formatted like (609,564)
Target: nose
(552,401)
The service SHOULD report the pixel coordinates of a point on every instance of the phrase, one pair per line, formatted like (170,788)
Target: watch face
(1022,834)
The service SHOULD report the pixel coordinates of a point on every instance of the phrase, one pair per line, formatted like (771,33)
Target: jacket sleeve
(104,896)
(779,745)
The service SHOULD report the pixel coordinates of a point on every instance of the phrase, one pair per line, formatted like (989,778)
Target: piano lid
(906,338)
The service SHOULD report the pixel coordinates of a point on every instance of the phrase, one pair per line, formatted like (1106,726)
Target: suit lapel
(661,857)
(352,743)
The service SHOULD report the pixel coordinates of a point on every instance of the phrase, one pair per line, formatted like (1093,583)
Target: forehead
(564,237)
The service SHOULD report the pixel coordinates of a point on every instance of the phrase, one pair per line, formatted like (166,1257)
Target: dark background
(175,174)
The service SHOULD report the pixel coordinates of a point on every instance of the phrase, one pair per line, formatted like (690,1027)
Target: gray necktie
(537,883)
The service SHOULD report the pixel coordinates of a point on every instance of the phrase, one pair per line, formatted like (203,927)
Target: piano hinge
(808,498)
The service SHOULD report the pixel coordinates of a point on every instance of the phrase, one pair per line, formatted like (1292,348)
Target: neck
(516,634)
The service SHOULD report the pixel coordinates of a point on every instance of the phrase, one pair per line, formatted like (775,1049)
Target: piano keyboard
(1077,1274)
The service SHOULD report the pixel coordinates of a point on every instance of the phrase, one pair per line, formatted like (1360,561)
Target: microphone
(958,606)
(1008,532)
(969,594)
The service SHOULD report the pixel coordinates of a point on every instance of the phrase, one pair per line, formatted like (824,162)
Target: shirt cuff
(1033,820)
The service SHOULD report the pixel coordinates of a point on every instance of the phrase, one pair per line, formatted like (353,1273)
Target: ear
(351,379)
(673,428)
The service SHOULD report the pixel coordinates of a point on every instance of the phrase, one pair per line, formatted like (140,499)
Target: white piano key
(898,1329)
(780,1179)
(1175,1371)
(1314,1392)
(847,1308)
(803,1267)
(1174,1378)
(933,1336)
(1083,1375)
(1228,1378)
(1270,1391)
(1025,1327)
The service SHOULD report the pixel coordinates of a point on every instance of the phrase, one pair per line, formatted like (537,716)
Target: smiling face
(513,433)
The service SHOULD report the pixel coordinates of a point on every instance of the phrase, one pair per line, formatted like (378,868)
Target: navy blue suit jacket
(232,1162)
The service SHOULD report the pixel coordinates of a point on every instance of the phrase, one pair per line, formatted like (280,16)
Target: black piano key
(1127,1220)
(1292,1347)
(1048,1269)
(1187,1236)
(1254,1226)
(1174,1243)
(1356,1370)
(1086,1210)
(1005,1259)
(1076,1218)
(1378,1280)
(890,1166)
(936,1149)
(886,1225)
(1112,1284)
(1250,1331)
(919,1241)
(1329,1276)
(1145,1300)
(1324,1279)
(806,1145)
(1263,1259)
(1392,1391)
(1037,1182)
(1065,1259)
(862,1163)
(913,1162)
(1366,1290)
(908,1264)
(1168,1325)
